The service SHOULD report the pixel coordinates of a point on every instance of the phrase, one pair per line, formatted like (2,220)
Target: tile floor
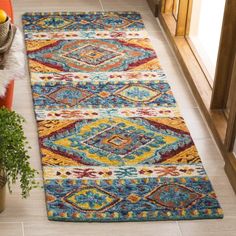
(28,217)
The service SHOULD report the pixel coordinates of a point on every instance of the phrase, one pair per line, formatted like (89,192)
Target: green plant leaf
(14,157)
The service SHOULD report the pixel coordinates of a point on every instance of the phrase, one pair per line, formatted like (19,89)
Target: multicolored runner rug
(114,146)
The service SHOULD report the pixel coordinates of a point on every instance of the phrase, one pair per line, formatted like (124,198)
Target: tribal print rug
(114,146)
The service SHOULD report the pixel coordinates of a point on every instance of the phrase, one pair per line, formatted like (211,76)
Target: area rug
(114,146)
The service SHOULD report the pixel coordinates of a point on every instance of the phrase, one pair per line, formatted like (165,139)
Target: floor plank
(11,229)
(32,211)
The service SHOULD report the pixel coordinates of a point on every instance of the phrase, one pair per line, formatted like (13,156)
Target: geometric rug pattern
(113,144)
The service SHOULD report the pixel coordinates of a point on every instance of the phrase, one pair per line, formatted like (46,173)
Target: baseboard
(230,170)
(154,4)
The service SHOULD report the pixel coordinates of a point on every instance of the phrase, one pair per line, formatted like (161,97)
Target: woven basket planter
(4,31)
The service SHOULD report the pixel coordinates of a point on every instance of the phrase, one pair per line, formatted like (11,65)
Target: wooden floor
(28,217)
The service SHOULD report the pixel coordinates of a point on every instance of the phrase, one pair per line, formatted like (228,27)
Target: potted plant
(14,157)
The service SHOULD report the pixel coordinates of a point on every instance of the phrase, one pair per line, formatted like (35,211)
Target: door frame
(212,99)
